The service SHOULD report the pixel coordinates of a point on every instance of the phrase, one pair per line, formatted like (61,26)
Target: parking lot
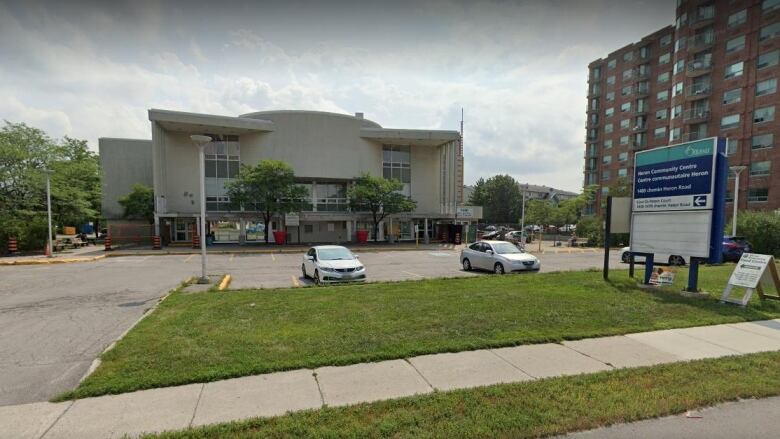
(56,319)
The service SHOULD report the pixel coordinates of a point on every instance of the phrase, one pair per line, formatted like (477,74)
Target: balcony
(698,91)
(702,18)
(695,115)
(687,137)
(639,127)
(642,91)
(640,111)
(702,41)
(636,144)
(699,67)
(642,74)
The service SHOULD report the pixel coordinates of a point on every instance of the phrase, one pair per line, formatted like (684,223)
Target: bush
(762,229)
(28,229)
(589,228)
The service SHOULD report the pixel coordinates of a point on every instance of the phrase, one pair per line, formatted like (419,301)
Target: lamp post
(737,170)
(201,142)
(522,217)
(48,173)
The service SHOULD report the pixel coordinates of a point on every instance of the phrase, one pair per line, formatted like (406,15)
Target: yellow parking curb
(51,261)
(225,282)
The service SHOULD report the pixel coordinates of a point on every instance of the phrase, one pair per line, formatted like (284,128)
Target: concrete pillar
(349,230)
(314,196)
(241,231)
(156,225)
(427,237)
(380,233)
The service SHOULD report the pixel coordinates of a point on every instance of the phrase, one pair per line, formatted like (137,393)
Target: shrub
(589,228)
(761,228)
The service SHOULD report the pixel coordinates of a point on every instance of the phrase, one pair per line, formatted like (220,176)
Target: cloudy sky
(518,68)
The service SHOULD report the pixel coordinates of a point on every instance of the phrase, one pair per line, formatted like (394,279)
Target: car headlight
(361,268)
(328,269)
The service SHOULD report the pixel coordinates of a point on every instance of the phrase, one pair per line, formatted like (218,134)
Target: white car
(497,256)
(332,263)
(658,258)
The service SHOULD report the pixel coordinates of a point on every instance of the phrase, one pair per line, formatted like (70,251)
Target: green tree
(380,197)
(139,203)
(269,188)
(500,198)
(539,212)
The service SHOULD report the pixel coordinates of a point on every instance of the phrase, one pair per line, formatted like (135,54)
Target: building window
(735,44)
(759,169)
(681,21)
(623,156)
(674,134)
(677,89)
(766,114)
(732,96)
(609,111)
(611,64)
(679,66)
(758,194)
(627,90)
(628,56)
(762,141)
(659,132)
(731,146)
(625,107)
(661,114)
(622,172)
(610,96)
(611,79)
(769,31)
(624,140)
(663,77)
(768,59)
(607,159)
(769,5)
(665,58)
(605,175)
(677,111)
(628,74)
(662,95)
(396,163)
(624,124)
(730,121)
(679,44)
(705,12)
(331,197)
(608,144)
(666,40)
(734,70)
(222,160)
(608,128)
(737,18)
(644,52)
(766,87)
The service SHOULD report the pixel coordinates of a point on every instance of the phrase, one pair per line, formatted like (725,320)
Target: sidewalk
(219,249)
(82,254)
(175,408)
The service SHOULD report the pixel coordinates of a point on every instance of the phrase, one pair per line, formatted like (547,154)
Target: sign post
(751,272)
(679,203)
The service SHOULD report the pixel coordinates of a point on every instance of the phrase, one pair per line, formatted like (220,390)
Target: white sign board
(620,222)
(750,270)
(465,212)
(292,219)
(672,233)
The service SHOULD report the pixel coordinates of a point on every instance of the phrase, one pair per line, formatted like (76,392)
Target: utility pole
(737,170)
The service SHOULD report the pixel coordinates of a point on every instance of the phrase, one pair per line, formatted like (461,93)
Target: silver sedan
(497,256)
(332,263)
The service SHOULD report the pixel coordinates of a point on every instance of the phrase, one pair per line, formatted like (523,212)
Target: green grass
(211,336)
(529,409)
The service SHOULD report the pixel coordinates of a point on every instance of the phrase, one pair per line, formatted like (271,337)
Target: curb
(51,261)
(225,282)
(280,251)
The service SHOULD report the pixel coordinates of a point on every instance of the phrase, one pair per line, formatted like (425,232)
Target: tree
(139,203)
(380,197)
(269,188)
(500,198)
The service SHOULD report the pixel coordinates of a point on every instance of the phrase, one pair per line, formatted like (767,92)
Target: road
(56,319)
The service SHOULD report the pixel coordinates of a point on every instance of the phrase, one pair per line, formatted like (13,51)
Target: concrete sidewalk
(81,254)
(274,394)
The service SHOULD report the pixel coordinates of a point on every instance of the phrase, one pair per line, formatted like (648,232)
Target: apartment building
(712,73)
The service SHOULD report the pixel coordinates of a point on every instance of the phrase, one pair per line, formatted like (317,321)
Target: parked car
(734,246)
(491,235)
(332,263)
(514,236)
(497,256)
(659,258)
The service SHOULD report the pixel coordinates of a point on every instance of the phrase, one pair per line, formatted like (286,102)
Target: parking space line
(412,274)
(273,257)
(187,259)
(295,281)
(232,255)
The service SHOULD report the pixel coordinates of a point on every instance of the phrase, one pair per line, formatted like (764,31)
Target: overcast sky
(518,68)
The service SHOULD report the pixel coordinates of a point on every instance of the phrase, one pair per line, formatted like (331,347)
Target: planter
(280,236)
(362,236)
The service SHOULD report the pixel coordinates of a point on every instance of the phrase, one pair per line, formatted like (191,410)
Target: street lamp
(48,173)
(201,142)
(737,170)
(522,217)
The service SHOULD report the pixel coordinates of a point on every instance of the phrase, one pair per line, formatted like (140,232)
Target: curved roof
(265,114)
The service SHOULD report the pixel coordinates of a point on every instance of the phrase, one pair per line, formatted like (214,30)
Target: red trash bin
(362,236)
(280,236)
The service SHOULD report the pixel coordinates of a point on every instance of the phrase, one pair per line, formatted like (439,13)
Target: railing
(694,114)
(699,66)
(642,91)
(640,127)
(638,144)
(700,90)
(692,136)
(702,40)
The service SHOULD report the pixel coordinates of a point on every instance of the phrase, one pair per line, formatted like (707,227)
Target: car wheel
(625,257)
(466,265)
(498,268)
(303,271)
(317,280)
(676,260)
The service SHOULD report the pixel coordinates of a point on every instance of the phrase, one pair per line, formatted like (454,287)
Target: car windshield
(335,254)
(504,248)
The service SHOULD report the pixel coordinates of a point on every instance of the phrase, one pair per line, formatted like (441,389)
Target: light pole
(48,173)
(200,142)
(522,217)
(737,170)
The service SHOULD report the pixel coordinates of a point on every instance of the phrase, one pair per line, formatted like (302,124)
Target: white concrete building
(327,152)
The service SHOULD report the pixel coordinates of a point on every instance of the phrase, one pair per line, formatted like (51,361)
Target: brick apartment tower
(713,73)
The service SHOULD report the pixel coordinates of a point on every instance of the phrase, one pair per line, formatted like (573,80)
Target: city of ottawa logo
(693,151)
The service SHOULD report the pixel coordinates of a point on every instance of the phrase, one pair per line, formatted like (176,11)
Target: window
(663,77)
(625,107)
(644,52)
(679,44)
(624,140)
(758,194)
(735,44)
(674,134)
(737,18)
(610,96)
(666,40)
(221,164)
(677,111)
(609,111)
(731,147)
(730,121)
(663,95)
(661,114)
(769,5)
(622,172)
(396,164)
(605,175)
(611,79)
(677,89)
(734,70)
(766,87)
(769,31)
(624,124)
(762,141)
(608,144)
(607,159)
(732,96)
(628,56)
(759,169)
(641,105)
(665,58)
(595,73)
(679,66)
(768,59)
(608,128)
(332,197)
(766,114)
(627,90)
(681,20)
(705,12)
(628,74)
(659,132)
(623,156)
(611,64)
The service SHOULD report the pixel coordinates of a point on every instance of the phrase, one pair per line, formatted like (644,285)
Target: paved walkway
(81,254)
(273,394)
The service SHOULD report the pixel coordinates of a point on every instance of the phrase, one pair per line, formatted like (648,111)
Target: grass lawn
(530,409)
(211,336)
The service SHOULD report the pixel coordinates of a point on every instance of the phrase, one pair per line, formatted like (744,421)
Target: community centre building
(327,151)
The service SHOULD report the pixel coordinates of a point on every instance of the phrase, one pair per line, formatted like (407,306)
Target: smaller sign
(749,270)
(292,219)
(620,221)
(662,277)
(465,212)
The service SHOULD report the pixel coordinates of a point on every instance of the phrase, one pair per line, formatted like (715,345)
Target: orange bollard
(12,246)
(108,242)
(156,242)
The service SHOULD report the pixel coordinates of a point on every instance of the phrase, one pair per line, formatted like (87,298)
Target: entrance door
(183,229)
